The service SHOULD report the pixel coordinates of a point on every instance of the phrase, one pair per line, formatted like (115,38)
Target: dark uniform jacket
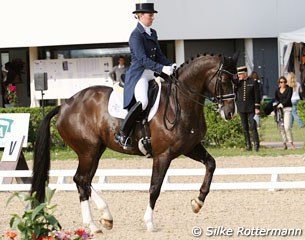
(145,54)
(248,96)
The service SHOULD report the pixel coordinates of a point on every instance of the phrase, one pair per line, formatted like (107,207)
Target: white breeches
(141,88)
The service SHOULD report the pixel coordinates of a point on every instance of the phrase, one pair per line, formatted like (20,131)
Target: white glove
(280,106)
(168,70)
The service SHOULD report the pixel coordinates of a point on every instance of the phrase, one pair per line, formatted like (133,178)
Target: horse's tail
(41,163)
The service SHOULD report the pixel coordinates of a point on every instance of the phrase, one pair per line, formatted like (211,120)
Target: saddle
(115,109)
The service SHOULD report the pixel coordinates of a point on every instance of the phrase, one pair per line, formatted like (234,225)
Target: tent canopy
(286,41)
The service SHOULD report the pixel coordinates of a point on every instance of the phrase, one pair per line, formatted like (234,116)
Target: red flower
(11,94)
(12,88)
(45,238)
(80,232)
(11,235)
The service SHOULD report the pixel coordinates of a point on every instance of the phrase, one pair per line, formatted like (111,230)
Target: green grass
(268,133)
(215,152)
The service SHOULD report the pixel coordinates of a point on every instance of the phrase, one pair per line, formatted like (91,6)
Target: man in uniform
(248,104)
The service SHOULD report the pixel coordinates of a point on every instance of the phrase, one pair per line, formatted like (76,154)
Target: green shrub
(301,110)
(219,132)
(36,117)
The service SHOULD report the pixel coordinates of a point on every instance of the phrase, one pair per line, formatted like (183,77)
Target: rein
(188,93)
(177,105)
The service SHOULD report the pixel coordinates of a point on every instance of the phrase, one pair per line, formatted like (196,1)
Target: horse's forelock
(229,63)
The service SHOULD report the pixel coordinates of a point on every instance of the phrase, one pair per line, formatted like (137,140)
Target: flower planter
(10,105)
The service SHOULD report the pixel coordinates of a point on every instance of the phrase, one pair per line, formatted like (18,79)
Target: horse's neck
(197,75)
(181,99)
(193,82)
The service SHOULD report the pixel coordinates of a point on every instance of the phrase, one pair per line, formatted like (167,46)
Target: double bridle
(220,98)
(189,94)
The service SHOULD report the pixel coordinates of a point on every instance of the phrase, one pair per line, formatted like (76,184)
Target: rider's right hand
(168,70)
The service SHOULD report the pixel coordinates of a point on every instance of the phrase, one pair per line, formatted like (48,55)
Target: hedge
(219,132)
(36,117)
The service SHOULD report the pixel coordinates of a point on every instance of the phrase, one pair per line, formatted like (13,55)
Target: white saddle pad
(115,106)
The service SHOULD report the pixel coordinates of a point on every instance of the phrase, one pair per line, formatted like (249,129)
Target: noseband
(220,98)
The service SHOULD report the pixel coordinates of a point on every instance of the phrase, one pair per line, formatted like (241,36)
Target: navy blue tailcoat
(145,54)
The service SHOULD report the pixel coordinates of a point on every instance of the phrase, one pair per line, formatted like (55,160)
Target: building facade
(185,28)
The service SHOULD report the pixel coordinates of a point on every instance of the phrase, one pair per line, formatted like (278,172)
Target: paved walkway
(280,144)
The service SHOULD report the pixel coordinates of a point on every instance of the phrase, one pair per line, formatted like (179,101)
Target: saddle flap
(115,104)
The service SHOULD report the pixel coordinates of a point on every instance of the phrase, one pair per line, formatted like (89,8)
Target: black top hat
(145,8)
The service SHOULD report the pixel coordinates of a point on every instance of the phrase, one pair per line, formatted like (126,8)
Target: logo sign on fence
(14,124)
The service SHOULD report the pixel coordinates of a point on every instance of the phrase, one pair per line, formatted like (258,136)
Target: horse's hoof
(94,229)
(196,205)
(97,232)
(150,227)
(108,224)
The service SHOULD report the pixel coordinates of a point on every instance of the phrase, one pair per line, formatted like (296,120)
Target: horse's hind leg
(107,220)
(85,172)
(200,154)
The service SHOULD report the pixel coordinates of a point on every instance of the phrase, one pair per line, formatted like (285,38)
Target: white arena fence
(104,179)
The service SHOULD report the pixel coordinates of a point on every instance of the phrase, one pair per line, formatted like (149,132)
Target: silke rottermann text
(252,232)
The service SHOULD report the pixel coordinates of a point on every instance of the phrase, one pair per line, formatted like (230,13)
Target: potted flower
(38,221)
(11,95)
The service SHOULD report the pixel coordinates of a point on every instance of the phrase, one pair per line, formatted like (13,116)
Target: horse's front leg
(159,170)
(200,154)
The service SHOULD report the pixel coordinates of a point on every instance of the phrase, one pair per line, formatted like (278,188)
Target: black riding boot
(248,141)
(122,137)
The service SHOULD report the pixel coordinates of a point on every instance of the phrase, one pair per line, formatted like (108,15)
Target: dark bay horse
(86,126)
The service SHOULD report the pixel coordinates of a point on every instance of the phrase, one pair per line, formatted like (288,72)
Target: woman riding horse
(86,126)
(146,58)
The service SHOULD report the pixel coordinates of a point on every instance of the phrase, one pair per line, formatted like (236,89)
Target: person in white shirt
(292,82)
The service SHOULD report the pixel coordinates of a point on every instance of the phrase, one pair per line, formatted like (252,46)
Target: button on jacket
(145,54)
(248,96)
